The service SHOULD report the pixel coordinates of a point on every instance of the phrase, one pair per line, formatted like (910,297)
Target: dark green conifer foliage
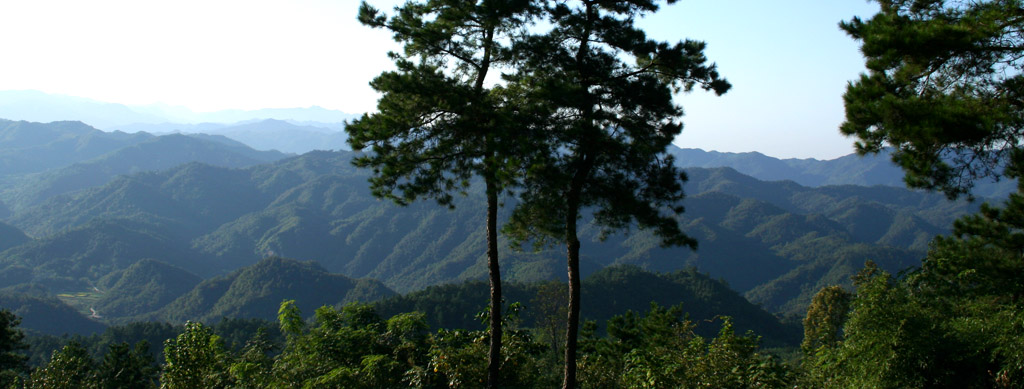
(606,125)
(438,122)
(12,348)
(944,89)
(127,367)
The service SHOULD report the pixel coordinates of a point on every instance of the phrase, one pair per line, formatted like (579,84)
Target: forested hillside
(775,241)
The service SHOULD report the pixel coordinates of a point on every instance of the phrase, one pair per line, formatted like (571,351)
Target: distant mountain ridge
(853,169)
(299,130)
(43,107)
(285,136)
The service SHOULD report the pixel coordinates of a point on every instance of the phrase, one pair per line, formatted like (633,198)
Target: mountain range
(853,169)
(300,130)
(179,227)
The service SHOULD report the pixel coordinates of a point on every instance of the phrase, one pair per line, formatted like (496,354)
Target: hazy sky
(788,60)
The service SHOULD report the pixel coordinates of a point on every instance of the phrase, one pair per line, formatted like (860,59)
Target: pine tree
(438,122)
(12,348)
(944,89)
(606,125)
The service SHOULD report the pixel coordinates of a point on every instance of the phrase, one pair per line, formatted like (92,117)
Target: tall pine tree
(606,124)
(439,123)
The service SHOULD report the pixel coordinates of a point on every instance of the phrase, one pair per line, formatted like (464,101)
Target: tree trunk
(494,271)
(572,243)
(573,325)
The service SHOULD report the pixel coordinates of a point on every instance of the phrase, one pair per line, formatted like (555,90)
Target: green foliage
(605,125)
(930,329)
(196,358)
(825,318)
(12,345)
(352,348)
(458,358)
(253,366)
(660,349)
(944,92)
(71,367)
(943,89)
(438,123)
(124,366)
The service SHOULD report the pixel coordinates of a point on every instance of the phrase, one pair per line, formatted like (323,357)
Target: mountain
(280,135)
(868,170)
(775,241)
(189,199)
(43,107)
(155,153)
(143,287)
(73,260)
(30,147)
(257,292)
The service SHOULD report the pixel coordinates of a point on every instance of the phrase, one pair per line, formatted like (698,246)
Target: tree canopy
(944,89)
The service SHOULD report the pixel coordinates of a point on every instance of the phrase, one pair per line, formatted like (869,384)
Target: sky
(787,60)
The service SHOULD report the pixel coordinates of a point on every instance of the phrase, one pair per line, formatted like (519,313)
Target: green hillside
(76,258)
(30,147)
(143,287)
(257,291)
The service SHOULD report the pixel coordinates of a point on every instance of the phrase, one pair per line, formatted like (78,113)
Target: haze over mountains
(43,107)
(288,130)
(300,130)
(137,226)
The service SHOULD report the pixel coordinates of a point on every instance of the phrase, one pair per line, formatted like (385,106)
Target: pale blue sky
(788,61)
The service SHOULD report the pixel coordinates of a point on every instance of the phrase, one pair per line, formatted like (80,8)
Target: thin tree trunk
(494,271)
(493,268)
(572,327)
(572,243)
